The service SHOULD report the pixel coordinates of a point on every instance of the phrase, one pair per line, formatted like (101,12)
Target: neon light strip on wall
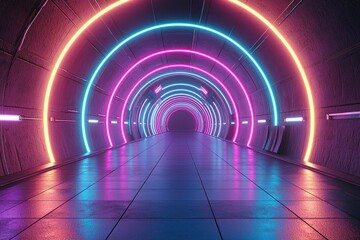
(9,118)
(93,121)
(343,115)
(294,119)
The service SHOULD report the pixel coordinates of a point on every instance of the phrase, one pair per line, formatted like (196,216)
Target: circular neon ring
(196,115)
(174,25)
(171,52)
(175,98)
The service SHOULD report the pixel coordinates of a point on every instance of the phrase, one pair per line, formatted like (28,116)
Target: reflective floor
(180,186)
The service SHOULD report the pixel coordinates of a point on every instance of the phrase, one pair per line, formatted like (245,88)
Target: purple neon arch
(186,99)
(179,51)
(169,112)
(177,66)
(178,101)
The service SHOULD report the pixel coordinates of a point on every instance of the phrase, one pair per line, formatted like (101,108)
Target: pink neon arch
(170,67)
(178,102)
(185,99)
(199,126)
(179,51)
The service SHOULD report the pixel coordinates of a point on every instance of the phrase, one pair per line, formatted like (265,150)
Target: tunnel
(181,119)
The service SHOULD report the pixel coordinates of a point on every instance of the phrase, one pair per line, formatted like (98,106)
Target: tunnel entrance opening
(181,121)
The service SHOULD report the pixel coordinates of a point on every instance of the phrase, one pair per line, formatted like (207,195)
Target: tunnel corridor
(181,119)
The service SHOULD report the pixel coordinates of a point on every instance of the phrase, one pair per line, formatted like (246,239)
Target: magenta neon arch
(165,101)
(183,100)
(164,113)
(172,51)
(175,100)
(156,112)
(212,121)
(196,115)
(178,66)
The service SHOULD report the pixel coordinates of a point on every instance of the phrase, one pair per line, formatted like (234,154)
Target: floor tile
(337,228)
(171,194)
(169,209)
(266,229)
(250,209)
(166,229)
(68,229)
(237,194)
(11,227)
(314,209)
(90,209)
(107,194)
(31,209)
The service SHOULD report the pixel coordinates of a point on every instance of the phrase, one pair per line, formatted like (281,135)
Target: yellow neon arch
(300,68)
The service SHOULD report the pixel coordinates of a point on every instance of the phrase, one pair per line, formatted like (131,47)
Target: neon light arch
(176,66)
(185,74)
(120,3)
(199,120)
(177,51)
(161,113)
(217,116)
(184,100)
(175,25)
(175,98)
(180,90)
(212,118)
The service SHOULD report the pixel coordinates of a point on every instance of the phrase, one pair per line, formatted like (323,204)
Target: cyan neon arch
(182,92)
(195,113)
(176,66)
(208,118)
(164,26)
(174,99)
(183,73)
(241,5)
(179,98)
(194,87)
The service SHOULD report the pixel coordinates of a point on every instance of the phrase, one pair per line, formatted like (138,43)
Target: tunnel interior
(278,77)
(179,119)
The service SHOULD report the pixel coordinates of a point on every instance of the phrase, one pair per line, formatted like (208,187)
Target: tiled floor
(180,186)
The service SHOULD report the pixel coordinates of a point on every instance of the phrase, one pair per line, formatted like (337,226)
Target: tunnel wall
(324,33)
